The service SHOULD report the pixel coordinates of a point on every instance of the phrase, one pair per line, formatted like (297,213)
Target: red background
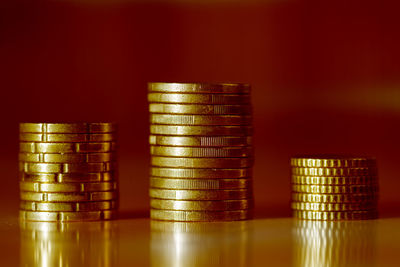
(325,77)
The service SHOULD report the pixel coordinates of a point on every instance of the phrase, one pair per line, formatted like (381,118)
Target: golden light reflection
(200,244)
(323,243)
(48,244)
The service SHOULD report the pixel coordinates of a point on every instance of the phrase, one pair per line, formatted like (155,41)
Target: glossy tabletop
(259,242)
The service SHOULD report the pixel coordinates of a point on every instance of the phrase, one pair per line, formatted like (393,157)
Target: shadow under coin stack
(334,188)
(201,152)
(68,171)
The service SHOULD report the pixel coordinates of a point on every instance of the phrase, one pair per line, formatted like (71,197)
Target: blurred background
(325,78)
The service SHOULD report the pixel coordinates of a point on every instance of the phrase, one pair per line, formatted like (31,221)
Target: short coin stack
(68,171)
(334,188)
(201,152)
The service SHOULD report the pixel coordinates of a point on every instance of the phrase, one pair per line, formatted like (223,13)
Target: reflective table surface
(259,242)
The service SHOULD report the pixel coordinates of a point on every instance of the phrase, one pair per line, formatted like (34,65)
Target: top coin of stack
(68,171)
(334,188)
(201,148)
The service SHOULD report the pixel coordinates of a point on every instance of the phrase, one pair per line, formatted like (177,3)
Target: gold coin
(201,162)
(334,180)
(68,206)
(335,189)
(201,194)
(39,137)
(68,177)
(334,206)
(224,99)
(29,167)
(172,119)
(184,216)
(68,197)
(219,205)
(97,127)
(201,173)
(63,216)
(333,162)
(33,147)
(200,184)
(67,187)
(334,198)
(200,109)
(215,88)
(201,141)
(201,130)
(67,158)
(339,215)
(334,171)
(201,152)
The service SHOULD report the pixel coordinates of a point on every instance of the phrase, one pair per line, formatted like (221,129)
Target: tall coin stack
(201,152)
(334,188)
(68,171)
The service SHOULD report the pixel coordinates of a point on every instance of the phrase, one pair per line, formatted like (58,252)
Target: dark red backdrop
(325,77)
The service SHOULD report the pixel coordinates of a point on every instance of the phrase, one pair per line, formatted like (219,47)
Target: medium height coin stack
(334,188)
(68,171)
(201,152)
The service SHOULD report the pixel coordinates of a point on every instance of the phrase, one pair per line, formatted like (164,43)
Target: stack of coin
(334,188)
(201,152)
(68,171)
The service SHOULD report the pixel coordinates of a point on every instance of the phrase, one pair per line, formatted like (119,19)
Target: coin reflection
(323,243)
(67,244)
(199,244)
